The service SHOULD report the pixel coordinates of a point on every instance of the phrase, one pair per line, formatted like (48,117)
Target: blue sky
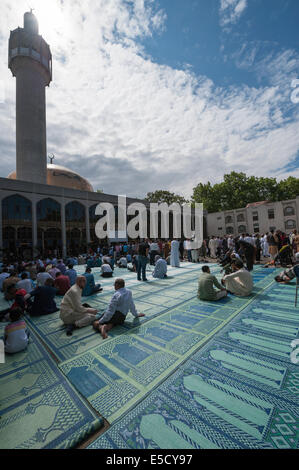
(165,94)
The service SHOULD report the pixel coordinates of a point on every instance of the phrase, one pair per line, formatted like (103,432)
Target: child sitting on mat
(16,335)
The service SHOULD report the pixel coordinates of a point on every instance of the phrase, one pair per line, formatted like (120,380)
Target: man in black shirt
(142,260)
(248,251)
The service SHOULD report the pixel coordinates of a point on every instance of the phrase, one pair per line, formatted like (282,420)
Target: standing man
(248,251)
(213,247)
(187,246)
(142,260)
(154,251)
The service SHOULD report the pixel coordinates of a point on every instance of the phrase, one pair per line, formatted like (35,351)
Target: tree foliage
(165,196)
(237,190)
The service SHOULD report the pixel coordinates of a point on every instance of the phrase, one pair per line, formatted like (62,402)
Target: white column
(63,230)
(1,230)
(87,224)
(34,225)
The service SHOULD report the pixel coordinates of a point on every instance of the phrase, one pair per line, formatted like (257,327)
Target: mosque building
(42,206)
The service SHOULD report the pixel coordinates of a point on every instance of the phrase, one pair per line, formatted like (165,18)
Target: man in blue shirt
(90,287)
(44,303)
(72,274)
(120,304)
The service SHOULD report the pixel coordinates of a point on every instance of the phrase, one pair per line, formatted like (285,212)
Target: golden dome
(63,177)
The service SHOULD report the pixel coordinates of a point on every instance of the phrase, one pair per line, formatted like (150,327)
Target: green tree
(165,196)
(237,190)
(288,189)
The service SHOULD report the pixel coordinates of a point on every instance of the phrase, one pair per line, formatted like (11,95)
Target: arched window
(242,229)
(24,234)
(229,230)
(15,210)
(16,222)
(75,227)
(290,224)
(240,218)
(48,210)
(289,211)
(75,212)
(52,239)
(48,214)
(229,219)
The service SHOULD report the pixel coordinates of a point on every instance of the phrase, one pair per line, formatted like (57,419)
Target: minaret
(30,61)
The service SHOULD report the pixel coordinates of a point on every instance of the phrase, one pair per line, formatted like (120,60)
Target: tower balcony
(32,46)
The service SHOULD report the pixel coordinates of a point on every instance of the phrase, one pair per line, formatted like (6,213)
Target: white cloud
(132,126)
(231,10)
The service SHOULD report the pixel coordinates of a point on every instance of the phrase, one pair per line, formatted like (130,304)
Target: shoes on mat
(70,329)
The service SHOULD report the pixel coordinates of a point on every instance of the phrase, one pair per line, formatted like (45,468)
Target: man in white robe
(265,246)
(213,247)
(175,255)
(240,282)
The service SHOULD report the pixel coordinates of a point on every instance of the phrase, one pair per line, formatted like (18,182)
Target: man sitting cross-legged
(72,312)
(117,310)
(240,282)
(206,285)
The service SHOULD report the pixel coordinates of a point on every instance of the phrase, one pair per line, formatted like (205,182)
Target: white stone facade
(282,215)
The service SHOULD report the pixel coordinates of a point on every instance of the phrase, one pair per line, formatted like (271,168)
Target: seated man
(18,297)
(288,275)
(117,310)
(122,263)
(12,280)
(62,284)
(133,268)
(206,290)
(42,276)
(61,266)
(4,275)
(90,287)
(25,283)
(240,282)
(106,270)
(160,271)
(98,262)
(53,272)
(72,312)
(44,303)
(71,273)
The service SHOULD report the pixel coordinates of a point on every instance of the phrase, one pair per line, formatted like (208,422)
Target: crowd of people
(32,287)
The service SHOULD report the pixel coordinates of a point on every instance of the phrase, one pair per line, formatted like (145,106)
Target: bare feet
(103,330)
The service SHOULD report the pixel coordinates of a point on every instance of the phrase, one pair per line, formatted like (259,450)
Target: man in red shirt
(62,283)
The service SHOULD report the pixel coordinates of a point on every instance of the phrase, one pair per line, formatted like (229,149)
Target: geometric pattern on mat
(153,299)
(115,375)
(240,390)
(39,408)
